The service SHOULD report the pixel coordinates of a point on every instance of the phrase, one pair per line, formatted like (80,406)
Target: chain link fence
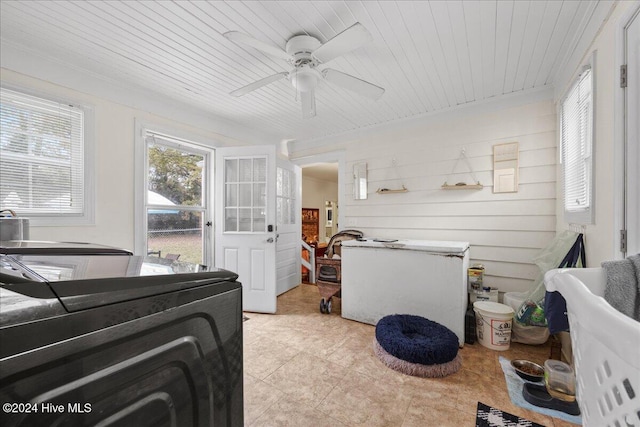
(185,243)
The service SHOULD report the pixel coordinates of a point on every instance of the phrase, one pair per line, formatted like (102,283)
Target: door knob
(270,240)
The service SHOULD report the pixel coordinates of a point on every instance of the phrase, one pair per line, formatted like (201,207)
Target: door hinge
(623,241)
(623,75)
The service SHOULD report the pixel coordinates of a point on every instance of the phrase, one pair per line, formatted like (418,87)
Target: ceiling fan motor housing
(300,47)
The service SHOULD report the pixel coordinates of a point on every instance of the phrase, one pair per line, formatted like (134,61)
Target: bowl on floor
(528,370)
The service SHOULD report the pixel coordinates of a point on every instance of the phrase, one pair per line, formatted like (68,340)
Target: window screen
(576,123)
(41,156)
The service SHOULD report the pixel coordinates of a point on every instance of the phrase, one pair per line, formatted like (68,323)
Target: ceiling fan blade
(257,85)
(238,37)
(308,104)
(348,40)
(353,84)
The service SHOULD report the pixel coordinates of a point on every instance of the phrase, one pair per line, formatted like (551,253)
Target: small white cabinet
(424,278)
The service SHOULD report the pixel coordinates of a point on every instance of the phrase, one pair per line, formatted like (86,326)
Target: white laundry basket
(606,349)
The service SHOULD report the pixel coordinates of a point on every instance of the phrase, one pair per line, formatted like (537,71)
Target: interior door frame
(330,157)
(620,111)
(140,176)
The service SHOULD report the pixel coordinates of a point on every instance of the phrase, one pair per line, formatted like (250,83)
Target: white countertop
(439,246)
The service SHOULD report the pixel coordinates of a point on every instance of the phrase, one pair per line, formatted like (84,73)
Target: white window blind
(576,122)
(41,156)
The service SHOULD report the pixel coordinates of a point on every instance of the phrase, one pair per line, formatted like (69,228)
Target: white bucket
(493,324)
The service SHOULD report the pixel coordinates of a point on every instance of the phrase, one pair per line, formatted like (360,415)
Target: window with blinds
(576,144)
(42,168)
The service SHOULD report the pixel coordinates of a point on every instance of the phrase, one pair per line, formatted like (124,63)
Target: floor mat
(486,416)
(514,386)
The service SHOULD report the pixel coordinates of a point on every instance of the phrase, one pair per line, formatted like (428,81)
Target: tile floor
(303,368)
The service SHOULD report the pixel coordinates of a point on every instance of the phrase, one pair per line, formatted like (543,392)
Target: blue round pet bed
(416,346)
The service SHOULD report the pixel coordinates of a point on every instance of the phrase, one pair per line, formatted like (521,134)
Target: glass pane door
(245,186)
(285,193)
(176,203)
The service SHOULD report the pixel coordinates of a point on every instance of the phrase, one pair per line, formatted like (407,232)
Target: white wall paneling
(505,230)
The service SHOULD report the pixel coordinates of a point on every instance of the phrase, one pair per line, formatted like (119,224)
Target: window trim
(141,173)
(88,215)
(586,216)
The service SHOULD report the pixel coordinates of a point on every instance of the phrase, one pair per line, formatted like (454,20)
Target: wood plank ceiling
(428,55)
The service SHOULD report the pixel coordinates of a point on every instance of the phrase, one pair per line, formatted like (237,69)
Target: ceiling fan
(305,53)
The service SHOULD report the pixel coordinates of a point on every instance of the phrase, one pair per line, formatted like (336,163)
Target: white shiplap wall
(505,230)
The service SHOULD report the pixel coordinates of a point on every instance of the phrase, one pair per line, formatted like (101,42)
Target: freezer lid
(437,246)
(37,247)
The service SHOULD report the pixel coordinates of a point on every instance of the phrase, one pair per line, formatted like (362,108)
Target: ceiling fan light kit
(304,79)
(305,53)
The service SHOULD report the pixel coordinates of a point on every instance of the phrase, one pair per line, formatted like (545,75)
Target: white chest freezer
(419,277)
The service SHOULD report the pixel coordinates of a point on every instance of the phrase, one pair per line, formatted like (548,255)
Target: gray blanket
(623,285)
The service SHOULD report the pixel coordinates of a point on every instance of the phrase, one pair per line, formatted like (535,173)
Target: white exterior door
(289,207)
(245,238)
(632,202)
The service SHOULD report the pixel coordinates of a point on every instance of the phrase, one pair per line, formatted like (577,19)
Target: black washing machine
(92,335)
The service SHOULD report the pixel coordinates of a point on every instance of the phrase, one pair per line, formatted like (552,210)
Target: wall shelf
(463,185)
(477,186)
(387,191)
